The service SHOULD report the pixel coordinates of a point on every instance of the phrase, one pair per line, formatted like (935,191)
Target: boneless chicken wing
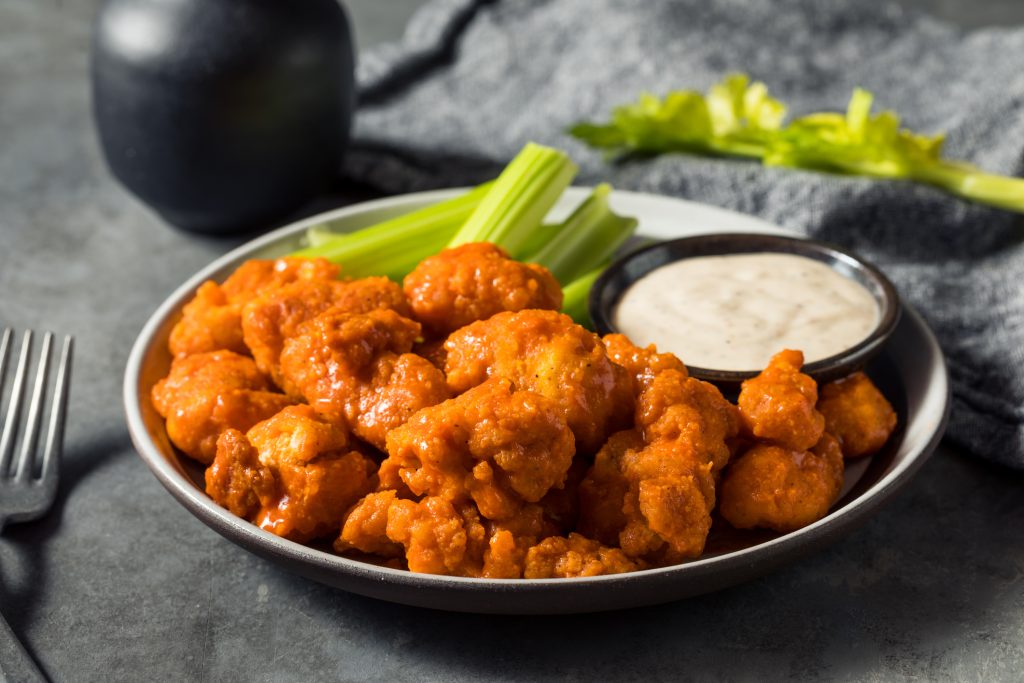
(782,489)
(355,367)
(473,282)
(292,474)
(498,446)
(654,501)
(546,352)
(643,363)
(439,536)
(857,414)
(778,404)
(207,393)
(212,321)
(693,413)
(270,319)
(559,557)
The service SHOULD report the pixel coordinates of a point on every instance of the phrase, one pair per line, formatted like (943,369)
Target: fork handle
(16,664)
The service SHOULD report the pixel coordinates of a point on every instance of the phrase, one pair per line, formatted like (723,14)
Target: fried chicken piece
(212,321)
(782,489)
(500,447)
(643,363)
(652,500)
(675,407)
(292,475)
(778,404)
(355,367)
(473,282)
(272,318)
(438,537)
(668,507)
(557,557)
(548,353)
(366,526)
(237,480)
(857,414)
(207,393)
(261,275)
(512,537)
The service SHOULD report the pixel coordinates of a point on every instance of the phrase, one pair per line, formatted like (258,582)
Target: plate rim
(228,525)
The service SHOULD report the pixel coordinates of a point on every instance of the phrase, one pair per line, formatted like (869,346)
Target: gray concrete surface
(121,583)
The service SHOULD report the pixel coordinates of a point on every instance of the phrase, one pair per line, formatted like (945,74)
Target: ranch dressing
(734,312)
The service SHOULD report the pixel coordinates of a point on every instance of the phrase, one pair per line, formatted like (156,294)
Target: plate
(910,371)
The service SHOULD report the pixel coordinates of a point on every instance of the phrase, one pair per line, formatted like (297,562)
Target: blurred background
(383,20)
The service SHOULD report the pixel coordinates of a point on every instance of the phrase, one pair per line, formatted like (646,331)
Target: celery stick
(538,238)
(970,183)
(585,239)
(739,118)
(394,247)
(520,198)
(576,295)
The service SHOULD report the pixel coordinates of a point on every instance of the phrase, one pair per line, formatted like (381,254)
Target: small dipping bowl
(623,273)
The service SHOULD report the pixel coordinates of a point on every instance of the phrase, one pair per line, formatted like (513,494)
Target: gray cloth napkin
(471,82)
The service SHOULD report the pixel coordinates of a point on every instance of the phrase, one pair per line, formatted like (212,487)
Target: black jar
(223,115)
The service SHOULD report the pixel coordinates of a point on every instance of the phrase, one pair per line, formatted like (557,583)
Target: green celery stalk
(576,295)
(586,239)
(519,199)
(739,118)
(970,183)
(539,237)
(394,247)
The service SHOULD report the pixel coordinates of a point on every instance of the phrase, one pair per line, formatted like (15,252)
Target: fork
(28,480)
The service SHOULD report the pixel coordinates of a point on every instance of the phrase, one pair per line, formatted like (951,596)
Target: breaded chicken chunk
(777,488)
(212,321)
(473,282)
(500,447)
(643,363)
(355,368)
(857,414)
(559,557)
(778,404)
(438,536)
(366,526)
(654,501)
(684,409)
(546,352)
(270,319)
(651,489)
(292,475)
(207,393)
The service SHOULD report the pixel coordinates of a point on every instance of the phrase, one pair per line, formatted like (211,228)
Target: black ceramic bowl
(608,289)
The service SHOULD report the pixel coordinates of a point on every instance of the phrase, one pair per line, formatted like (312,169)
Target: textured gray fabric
(472,82)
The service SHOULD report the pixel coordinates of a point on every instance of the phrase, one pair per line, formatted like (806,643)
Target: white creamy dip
(734,312)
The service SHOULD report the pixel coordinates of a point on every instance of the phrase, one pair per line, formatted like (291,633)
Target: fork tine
(14,406)
(5,347)
(58,414)
(23,465)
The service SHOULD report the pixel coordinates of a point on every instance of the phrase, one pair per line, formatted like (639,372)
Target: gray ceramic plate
(910,370)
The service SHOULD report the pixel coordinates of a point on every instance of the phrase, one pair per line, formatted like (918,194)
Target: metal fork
(28,477)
